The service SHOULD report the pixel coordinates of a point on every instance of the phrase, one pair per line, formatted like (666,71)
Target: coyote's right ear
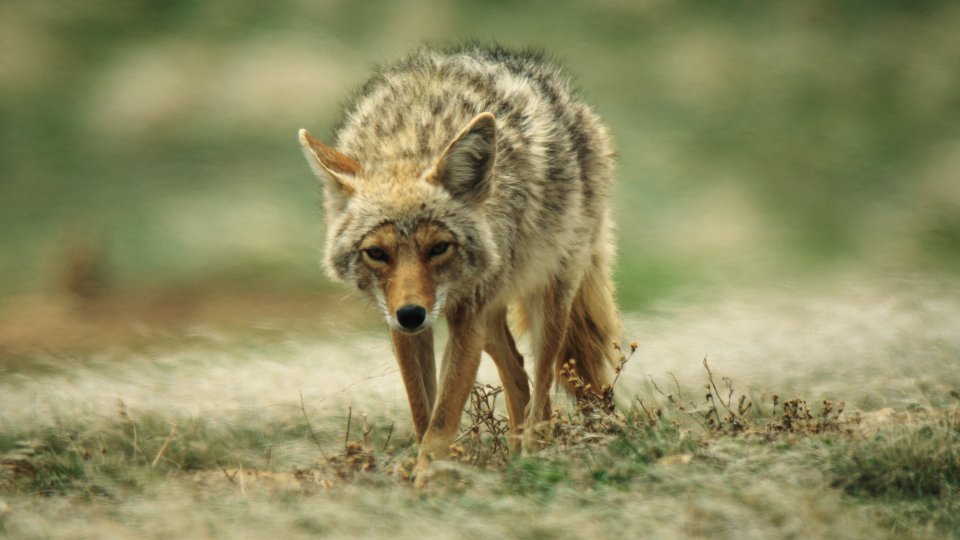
(466,166)
(336,170)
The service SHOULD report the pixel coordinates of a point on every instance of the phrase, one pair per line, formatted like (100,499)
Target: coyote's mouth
(411,319)
(413,332)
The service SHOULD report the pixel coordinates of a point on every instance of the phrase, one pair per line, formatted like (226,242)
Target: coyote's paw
(423,471)
(515,441)
(529,442)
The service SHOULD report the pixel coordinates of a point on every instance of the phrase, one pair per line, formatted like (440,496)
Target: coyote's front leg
(549,318)
(418,369)
(499,344)
(458,372)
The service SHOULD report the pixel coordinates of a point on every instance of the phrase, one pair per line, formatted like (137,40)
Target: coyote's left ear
(337,170)
(465,168)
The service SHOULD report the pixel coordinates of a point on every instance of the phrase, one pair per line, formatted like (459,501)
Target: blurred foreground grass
(848,428)
(757,142)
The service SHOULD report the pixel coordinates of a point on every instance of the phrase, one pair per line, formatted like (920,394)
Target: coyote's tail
(594,328)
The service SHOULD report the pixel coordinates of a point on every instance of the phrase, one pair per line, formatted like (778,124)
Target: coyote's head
(415,237)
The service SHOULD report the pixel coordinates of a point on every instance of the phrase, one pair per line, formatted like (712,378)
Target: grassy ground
(848,427)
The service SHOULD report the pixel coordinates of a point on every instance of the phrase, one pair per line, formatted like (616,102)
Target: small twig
(736,414)
(229,476)
(677,400)
(623,361)
(657,387)
(713,384)
(313,435)
(122,409)
(366,430)
(242,489)
(464,434)
(727,381)
(166,443)
(346,437)
(713,409)
(389,434)
(103,446)
(677,384)
(653,420)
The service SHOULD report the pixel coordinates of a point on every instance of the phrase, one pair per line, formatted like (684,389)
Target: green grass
(903,474)
(916,461)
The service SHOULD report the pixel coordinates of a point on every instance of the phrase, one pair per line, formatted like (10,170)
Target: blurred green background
(148,143)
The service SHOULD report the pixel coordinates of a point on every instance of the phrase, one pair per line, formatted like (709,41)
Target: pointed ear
(465,168)
(338,171)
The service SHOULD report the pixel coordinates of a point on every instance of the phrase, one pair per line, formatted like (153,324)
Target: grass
(904,472)
(302,435)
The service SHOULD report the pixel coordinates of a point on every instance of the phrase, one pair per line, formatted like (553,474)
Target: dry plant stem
(313,434)
(624,358)
(166,443)
(483,417)
(716,392)
(366,430)
(677,400)
(650,417)
(713,409)
(229,476)
(346,436)
(733,419)
(389,434)
(122,407)
(242,488)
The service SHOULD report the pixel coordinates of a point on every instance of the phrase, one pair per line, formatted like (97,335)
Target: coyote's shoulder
(464,180)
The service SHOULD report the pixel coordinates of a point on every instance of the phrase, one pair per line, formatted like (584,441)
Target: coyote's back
(464,180)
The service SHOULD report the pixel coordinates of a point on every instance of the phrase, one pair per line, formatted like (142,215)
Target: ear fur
(465,167)
(338,171)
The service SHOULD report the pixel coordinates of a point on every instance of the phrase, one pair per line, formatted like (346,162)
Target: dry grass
(218,435)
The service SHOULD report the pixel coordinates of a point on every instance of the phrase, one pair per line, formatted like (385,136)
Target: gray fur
(551,177)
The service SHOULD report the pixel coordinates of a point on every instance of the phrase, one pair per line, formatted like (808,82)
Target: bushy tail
(593,329)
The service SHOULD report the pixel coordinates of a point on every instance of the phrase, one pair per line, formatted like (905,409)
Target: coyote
(465,181)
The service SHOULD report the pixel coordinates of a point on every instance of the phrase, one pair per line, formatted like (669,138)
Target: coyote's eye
(376,254)
(439,249)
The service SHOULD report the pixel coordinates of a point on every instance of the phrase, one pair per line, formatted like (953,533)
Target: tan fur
(415,357)
(500,346)
(592,329)
(464,181)
(335,165)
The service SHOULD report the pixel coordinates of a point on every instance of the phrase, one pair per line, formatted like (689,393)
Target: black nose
(411,316)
